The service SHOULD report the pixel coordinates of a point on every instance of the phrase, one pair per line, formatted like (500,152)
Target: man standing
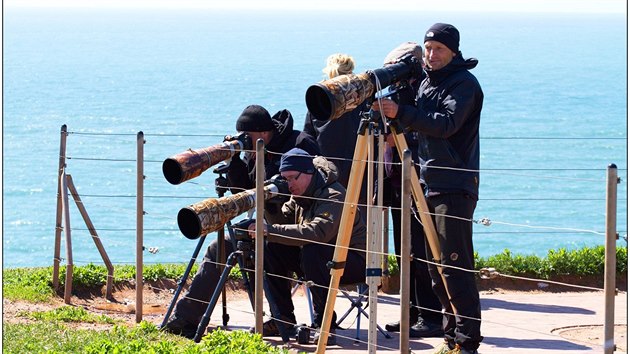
(446,116)
(425,313)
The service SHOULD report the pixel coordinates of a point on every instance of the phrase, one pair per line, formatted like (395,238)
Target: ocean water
(554,117)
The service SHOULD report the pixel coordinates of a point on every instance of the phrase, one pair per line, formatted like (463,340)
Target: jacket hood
(283,121)
(325,175)
(327,169)
(457,64)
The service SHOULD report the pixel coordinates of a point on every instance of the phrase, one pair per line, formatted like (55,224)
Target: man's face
(298,181)
(265,136)
(437,55)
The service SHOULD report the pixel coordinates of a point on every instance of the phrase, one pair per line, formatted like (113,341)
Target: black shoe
(424,329)
(332,337)
(180,327)
(393,327)
(270,329)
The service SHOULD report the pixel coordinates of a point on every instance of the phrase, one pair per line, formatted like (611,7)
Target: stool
(360,302)
(307,293)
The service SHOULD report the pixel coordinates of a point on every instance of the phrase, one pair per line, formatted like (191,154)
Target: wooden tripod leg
(418,196)
(344,234)
(423,209)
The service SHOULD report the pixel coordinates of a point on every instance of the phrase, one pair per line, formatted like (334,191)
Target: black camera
(241,232)
(243,138)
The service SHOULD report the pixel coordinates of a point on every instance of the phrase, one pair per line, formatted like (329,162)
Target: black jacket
(447,115)
(336,139)
(242,175)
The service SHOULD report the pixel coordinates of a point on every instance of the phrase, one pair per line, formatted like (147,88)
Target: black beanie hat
(297,159)
(445,34)
(254,119)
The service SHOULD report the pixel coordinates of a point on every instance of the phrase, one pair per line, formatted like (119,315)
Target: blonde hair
(338,64)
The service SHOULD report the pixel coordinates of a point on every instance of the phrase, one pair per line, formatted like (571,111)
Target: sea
(554,118)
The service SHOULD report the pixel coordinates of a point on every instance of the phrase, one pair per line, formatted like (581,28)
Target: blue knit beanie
(297,159)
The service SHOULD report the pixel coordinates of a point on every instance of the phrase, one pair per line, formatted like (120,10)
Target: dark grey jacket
(447,115)
(318,216)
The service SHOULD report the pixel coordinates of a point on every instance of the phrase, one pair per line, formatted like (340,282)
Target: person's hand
(252,230)
(387,106)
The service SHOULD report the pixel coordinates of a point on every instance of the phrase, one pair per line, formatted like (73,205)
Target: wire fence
(113,202)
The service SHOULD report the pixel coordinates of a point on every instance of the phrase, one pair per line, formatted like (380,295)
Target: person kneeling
(301,237)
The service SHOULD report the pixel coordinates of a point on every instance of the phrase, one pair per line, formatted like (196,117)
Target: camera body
(240,230)
(243,138)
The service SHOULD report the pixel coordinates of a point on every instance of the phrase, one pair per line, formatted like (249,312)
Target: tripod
(221,185)
(242,253)
(349,210)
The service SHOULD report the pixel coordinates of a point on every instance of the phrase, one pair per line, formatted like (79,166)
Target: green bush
(584,261)
(35,284)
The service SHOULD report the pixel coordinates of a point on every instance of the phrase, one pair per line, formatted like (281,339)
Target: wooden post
(405,250)
(344,234)
(610,266)
(95,238)
(139,223)
(58,227)
(66,213)
(260,236)
(373,229)
(385,264)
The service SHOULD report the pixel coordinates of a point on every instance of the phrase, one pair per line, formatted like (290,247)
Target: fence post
(139,223)
(94,234)
(610,267)
(66,213)
(405,250)
(62,165)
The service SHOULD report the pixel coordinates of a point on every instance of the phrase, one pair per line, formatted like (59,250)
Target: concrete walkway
(513,322)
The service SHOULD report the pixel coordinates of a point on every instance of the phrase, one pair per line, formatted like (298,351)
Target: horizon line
(529,6)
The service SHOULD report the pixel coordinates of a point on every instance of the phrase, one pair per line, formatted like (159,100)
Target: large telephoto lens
(192,163)
(330,99)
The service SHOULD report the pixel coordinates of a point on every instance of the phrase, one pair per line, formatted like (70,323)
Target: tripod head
(221,183)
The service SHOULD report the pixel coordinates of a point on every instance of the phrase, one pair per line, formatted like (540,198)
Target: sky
(580,6)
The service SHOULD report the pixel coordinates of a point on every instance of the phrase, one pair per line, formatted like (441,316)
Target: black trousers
(203,284)
(308,261)
(458,286)
(420,286)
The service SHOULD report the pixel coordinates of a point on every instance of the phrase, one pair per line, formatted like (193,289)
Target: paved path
(513,322)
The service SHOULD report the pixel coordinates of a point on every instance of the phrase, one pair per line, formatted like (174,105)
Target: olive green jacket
(316,215)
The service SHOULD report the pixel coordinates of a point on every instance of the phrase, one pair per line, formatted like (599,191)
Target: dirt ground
(158,295)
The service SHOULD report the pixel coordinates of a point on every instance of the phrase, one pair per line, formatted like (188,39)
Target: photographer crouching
(303,236)
(279,136)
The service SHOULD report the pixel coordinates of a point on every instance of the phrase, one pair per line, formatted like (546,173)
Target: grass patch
(30,284)
(68,314)
(54,337)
